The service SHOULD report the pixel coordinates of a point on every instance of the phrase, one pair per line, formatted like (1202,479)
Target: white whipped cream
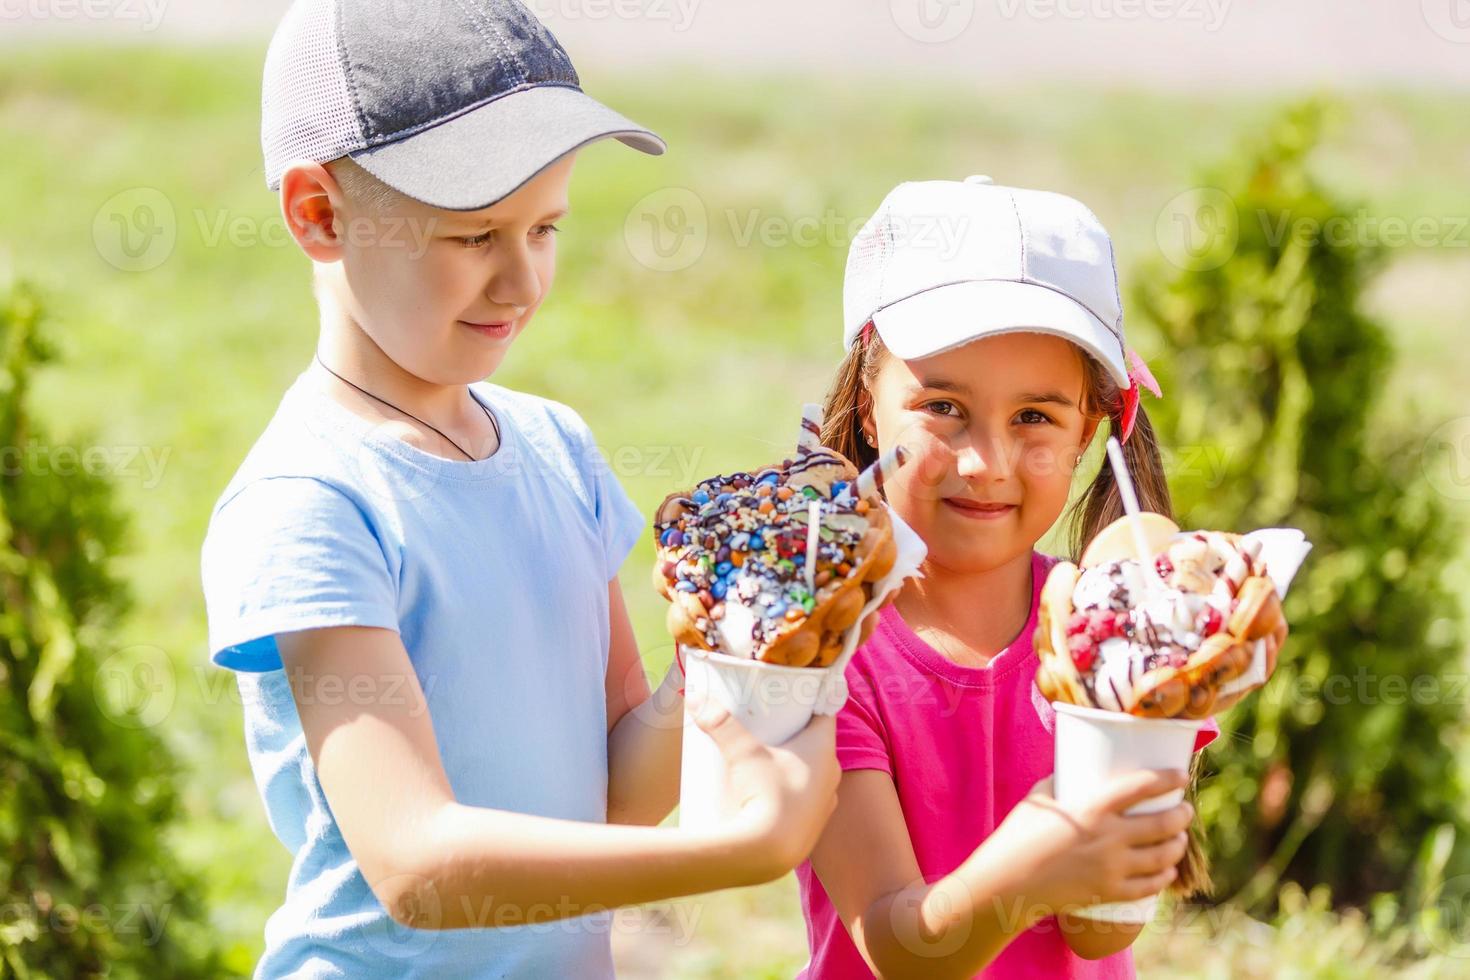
(736,627)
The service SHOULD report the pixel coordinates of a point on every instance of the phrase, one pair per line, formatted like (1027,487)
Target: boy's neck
(348,351)
(969,617)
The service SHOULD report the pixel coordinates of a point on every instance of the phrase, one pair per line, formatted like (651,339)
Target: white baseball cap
(945,262)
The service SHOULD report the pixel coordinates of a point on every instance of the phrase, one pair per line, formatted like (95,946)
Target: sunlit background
(1288,184)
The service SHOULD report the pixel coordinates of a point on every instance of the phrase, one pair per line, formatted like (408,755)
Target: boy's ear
(313,205)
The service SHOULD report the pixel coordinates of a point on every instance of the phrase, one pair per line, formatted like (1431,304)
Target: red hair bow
(1141,377)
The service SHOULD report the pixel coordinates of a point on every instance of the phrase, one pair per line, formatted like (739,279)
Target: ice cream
(777,564)
(1158,641)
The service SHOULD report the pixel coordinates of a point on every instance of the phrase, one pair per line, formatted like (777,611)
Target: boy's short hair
(368,195)
(362,188)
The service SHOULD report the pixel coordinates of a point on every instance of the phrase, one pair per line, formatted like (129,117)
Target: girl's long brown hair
(849,402)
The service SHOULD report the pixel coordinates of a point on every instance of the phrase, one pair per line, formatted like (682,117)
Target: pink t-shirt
(963,746)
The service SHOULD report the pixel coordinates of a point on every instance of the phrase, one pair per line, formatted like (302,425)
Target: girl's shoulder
(884,648)
(1041,566)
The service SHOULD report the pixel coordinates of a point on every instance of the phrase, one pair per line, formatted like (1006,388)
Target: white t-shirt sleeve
(286,554)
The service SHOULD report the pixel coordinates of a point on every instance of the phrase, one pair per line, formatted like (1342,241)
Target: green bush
(1342,771)
(87,885)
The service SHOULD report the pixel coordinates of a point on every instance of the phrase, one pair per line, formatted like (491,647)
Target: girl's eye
(1030,416)
(943,408)
(544,231)
(475,241)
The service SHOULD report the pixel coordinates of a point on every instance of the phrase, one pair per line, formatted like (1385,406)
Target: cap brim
(482,156)
(939,319)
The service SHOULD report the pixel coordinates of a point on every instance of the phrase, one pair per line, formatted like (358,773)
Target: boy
(414,572)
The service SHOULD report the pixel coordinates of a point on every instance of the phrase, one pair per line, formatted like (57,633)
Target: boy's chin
(467,363)
(486,365)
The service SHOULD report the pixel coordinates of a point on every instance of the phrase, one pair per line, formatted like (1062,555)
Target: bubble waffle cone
(775,565)
(1160,642)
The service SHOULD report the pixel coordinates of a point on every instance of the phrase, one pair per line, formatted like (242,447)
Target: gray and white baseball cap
(455,103)
(945,262)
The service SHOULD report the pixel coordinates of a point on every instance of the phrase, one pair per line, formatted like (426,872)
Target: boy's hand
(780,796)
(677,675)
(1080,856)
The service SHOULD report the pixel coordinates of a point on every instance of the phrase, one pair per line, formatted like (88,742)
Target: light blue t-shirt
(495,573)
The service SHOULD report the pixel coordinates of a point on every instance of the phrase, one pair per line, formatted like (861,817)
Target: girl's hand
(1072,857)
(781,796)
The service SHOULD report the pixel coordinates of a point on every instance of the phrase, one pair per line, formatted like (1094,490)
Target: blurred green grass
(687,372)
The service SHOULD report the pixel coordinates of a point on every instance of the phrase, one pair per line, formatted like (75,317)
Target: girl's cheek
(932,464)
(1046,470)
(1045,463)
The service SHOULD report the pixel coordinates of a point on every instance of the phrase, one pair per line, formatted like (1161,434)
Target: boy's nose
(516,282)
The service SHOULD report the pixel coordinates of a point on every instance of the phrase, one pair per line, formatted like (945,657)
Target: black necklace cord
(420,421)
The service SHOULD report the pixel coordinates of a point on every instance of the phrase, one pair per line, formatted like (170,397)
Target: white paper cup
(771,701)
(1093,746)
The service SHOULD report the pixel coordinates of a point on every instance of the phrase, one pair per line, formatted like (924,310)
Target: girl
(993,354)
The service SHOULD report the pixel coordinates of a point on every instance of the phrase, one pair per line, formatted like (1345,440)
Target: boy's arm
(645,732)
(437,864)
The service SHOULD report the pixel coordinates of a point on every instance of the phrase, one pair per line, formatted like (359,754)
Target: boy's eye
(539,233)
(1030,416)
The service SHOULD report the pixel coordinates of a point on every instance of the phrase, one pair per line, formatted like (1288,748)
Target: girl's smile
(979,510)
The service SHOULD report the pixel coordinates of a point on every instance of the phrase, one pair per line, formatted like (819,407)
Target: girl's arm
(645,732)
(882,897)
(437,864)
(1041,860)
(1092,940)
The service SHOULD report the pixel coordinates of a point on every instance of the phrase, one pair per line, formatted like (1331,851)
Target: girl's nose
(981,456)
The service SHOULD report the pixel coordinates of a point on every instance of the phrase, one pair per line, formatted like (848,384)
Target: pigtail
(848,402)
(1102,504)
